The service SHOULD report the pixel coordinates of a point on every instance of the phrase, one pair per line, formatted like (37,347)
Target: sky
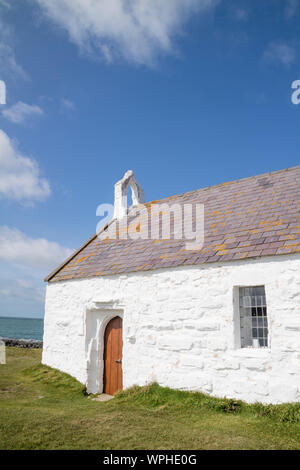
(186,93)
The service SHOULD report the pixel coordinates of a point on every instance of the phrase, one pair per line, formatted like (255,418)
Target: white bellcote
(121,189)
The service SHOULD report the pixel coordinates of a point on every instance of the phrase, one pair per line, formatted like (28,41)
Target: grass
(41,408)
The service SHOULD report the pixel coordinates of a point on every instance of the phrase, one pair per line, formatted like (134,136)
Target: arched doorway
(113,345)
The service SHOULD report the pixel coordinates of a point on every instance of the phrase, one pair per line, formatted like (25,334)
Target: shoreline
(22,343)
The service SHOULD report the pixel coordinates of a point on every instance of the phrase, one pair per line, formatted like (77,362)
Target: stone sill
(252,352)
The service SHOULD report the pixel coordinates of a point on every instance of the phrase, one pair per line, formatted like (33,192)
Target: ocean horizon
(21,328)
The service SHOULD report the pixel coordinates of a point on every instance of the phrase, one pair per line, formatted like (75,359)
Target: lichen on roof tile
(241,217)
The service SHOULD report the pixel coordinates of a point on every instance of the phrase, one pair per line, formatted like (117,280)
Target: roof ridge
(226,182)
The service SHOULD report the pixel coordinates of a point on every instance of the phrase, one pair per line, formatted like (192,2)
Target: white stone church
(223,319)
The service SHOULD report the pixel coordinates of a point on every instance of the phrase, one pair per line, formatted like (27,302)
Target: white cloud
(280,53)
(67,105)
(9,67)
(24,262)
(39,253)
(21,289)
(291,8)
(5,4)
(8,64)
(20,111)
(241,14)
(20,293)
(136,30)
(19,175)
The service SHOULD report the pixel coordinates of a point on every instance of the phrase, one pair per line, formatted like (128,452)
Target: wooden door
(113,344)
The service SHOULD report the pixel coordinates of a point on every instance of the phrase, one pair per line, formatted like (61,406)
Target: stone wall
(181,328)
(23,343)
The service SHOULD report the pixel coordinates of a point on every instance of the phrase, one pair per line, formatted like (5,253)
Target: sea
(21,328)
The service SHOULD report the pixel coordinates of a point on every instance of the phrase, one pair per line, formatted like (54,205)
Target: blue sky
(187,93)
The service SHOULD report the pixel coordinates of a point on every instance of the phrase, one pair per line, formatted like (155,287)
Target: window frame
(237,329)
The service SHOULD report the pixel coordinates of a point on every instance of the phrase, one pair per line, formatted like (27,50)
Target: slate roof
(248,218)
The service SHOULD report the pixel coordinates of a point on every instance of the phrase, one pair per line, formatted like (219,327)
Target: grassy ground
(41,408)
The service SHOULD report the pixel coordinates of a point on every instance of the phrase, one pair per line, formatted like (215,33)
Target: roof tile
(252,217)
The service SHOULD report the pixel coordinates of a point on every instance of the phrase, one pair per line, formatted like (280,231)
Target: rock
(23,343)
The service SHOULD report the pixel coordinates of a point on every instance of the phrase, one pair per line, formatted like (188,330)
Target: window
(253,317)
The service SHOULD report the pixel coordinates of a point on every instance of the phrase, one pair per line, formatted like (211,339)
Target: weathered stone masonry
(181,328)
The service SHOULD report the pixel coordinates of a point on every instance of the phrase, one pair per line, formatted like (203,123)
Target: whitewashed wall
(180,328)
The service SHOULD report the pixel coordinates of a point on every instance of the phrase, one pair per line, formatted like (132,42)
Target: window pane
(253,316)
(260,321)
(265,311)
(259,311)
